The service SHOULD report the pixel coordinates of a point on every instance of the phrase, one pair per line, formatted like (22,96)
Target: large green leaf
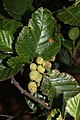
(53,113)
(49,90)
(70,15)
(63,82)
(7,72)
(18,60)
(64,57)
(73,107)
(34,39)
(10,25)
(17,8)
(6,40)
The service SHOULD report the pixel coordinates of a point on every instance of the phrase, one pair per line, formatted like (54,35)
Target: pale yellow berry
(32,87)
(47,64)
(53,58)
(33,66)
(39,60)
(41,69)
(39,78)
(33,74)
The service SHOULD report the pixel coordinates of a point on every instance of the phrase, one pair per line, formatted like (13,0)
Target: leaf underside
(73,107)
(64,83)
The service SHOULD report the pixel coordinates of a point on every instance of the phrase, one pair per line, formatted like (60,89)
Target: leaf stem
(73,45)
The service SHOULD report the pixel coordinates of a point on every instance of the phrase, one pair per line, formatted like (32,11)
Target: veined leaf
(73,107)
(70,15)
(34,39)
(64,57)
(3,56)
(49,90)
(6,39)
(52,114)
(10,25)
(16,8)
(14,61)
(63,82)
(7,72)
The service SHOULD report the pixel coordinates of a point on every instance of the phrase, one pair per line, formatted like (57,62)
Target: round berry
(51,40)
(32,87)
(33,74)
(39,78)
(41,69)
(47,64)
(39,60)
(33,66)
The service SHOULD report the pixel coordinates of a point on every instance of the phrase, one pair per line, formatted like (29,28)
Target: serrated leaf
(49,90)
(64,57)
(67,44)
(63,82)
(6,40)
(70,15)
(18,60)
(52,114)
(3,56)
(17,8)
(10,25)
(73,107)
(33,40)
(7,72)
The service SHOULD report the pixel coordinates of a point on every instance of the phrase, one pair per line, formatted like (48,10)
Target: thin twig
(13,81)
(7,116)
(2,115)
(11,118)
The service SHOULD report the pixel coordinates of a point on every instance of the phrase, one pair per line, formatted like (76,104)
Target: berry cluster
(36,74)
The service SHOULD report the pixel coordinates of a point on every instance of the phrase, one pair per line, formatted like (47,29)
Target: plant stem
(73,45)
(13,81)
(7,116)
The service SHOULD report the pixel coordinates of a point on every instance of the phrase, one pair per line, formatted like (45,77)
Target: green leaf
(74,33)
(67,44)
(78,44)
(9,25)
(49,90)
(18,60)
(16,8)
(4,56)
(73,107)
(76,53)
(6,40)
(7,72)
(63,82)
(33,40)
(64,57)
(70,15)
(52,114)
